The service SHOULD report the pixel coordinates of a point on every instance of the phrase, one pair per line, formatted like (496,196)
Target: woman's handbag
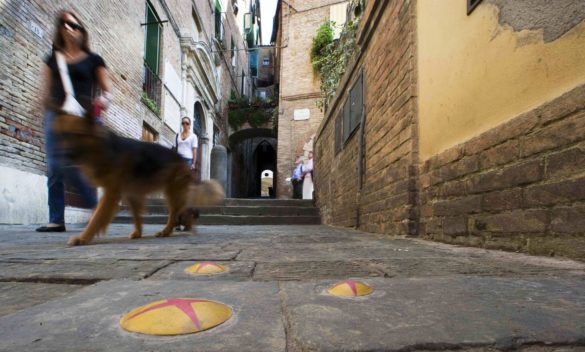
(71,105)
(175,147)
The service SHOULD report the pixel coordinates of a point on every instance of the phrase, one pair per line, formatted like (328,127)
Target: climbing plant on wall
(330,56)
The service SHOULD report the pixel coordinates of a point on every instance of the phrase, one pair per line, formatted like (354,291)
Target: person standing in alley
(187,143)
(71,70)
(297,179)
(308,178)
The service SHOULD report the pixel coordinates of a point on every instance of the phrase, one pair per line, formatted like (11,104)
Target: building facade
(166,58)
(299,116)
(462,122)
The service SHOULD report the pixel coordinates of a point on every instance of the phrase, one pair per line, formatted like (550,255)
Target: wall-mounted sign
(301,114)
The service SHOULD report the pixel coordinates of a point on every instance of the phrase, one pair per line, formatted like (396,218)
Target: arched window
(197,120)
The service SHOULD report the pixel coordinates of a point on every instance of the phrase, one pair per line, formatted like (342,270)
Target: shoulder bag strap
(64,73)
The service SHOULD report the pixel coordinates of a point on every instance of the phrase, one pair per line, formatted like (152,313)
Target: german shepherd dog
(129,169)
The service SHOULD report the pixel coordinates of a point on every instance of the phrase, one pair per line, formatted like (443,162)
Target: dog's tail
(205,194)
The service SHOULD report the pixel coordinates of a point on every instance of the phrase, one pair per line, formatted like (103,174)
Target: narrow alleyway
(427,296)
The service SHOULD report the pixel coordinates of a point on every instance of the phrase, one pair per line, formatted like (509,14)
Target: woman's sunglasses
(72,25)
(185,123)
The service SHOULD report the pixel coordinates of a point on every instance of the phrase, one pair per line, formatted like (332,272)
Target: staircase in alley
(237,212)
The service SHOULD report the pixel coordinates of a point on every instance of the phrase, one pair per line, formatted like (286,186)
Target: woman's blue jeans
(60,170)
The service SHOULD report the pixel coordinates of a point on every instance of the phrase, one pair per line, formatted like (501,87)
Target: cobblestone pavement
(427,297)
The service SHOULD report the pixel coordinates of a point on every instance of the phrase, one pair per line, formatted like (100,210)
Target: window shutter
(338,133)
(152,54)
(356,97)
(346,120)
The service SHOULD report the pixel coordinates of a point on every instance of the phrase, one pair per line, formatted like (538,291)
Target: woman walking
(88,76)
(187,143)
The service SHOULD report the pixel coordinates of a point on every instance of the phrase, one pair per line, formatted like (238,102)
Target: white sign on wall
(301,114)
(36,29)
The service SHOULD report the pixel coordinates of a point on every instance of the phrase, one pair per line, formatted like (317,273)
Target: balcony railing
(152,86)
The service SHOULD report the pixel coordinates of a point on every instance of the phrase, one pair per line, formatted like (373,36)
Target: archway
(253,151)
(264,159)
(267,183)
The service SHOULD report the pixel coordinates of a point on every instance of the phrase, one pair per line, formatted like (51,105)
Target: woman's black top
(83,74)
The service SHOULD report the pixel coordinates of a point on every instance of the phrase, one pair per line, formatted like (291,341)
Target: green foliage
(255,113)
(321,42)
(150,104)
(333,59)
(236,118)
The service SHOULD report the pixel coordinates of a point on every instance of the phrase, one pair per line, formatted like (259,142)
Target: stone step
(217,219)
(269,202)
(239,210)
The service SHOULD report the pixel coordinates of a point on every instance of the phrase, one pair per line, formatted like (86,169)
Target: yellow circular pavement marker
(205,268)
(350,288)
(176,316)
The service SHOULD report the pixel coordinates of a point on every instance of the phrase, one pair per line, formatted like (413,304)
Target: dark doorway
(198,129)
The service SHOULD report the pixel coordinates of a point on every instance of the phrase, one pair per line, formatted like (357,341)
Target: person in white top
(187,143)
(308,178)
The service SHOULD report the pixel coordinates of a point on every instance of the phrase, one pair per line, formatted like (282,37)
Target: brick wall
(299,88)
(519,186)
(26,31)
(387,201)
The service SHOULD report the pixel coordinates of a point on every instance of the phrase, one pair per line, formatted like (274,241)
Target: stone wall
(386,203)
(519,186)
(299,88)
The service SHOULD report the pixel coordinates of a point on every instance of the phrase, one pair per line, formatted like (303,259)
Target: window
(266,61)
(345,122)
(219,32)
(153,35)
(338,15)
(356,104)
(351,114)
(338,132)
(197,120)
(471,5)
(152,84)
(233,49)
(253,57)
(216,135)
(148,133)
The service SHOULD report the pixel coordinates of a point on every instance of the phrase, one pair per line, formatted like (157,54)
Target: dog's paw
(134,235)
(162,234)
(76,241)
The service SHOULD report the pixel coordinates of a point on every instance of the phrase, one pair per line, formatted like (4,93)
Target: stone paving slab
(314,270)
(436,313)
(17,296)
(89,320)
(79,271)
(364,249)
(131,250)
